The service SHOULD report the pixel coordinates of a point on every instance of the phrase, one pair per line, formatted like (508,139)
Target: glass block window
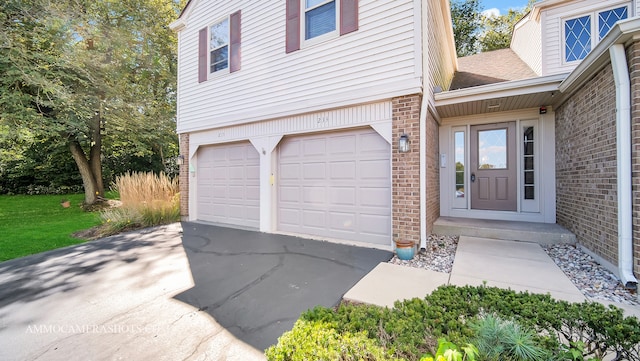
(577,38)
(528,163)
(219,45)
(459,158)
(320,17)
(607,19)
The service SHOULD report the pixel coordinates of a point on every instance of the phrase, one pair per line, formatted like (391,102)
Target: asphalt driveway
(164,294)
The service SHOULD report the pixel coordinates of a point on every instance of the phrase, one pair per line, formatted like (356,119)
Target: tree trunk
(95,162)
(88,179)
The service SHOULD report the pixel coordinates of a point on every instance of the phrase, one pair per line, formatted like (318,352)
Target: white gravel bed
(593,280)
(438,256)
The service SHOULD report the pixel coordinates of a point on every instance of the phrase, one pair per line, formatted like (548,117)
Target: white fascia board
(501,90)
(537,7)
(181,22)
(599,56)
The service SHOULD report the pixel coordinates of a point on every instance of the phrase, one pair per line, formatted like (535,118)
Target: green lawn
(34,224)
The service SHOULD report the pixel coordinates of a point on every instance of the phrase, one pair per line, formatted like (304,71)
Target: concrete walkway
(520,266)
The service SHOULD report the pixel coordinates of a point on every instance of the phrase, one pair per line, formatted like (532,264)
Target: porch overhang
(499,97)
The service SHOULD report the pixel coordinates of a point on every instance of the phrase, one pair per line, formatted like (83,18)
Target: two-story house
(290,114)
(352,120)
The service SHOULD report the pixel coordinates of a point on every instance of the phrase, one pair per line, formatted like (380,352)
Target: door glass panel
(459,145)
(529,178)
(492,149)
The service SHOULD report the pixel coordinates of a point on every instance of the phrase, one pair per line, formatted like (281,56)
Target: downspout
(623,148)
(423,169)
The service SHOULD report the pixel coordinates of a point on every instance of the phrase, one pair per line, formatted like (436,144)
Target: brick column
(184,177)
(433,171)
(405,169)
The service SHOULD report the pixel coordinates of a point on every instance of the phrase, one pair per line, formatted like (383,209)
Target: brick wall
(433,172)
(586,170)
(633,58)
(184,176)
(405,169)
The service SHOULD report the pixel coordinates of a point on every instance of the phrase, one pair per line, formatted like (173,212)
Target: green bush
(315,340)
(498,339)
(563,329)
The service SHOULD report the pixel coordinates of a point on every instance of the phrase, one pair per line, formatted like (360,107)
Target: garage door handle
(473,177)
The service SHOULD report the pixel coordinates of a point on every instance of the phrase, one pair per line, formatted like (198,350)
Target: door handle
(473,177)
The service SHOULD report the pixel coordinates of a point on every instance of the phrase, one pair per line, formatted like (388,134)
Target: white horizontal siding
(441,61)
(373,63)
(527,43)
(552,23)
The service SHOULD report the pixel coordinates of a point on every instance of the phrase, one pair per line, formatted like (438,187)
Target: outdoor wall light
(403,143)
(180,159)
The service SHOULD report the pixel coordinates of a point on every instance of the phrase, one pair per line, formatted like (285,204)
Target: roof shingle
(489,68)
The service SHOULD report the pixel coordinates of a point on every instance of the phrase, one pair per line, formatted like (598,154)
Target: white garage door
(229,185)
(336,185)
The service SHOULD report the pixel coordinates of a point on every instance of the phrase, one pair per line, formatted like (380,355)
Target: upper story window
(315,20)
(320,17)
(580,33)
(219,47)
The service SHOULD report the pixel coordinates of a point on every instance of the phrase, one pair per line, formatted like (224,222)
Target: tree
(475,32)
(467,21)
(91,76)
(497,30)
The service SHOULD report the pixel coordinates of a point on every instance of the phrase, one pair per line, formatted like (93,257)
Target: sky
(501,6)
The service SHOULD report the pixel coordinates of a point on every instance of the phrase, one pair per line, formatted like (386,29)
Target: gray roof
(490,67)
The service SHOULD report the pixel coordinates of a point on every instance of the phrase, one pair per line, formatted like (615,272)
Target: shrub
(315,340)
(560,328)
(498,339)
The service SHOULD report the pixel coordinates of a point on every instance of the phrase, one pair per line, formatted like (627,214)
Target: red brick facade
(184,176)
(405,169)
(586,170)
(433,172)
(586,162)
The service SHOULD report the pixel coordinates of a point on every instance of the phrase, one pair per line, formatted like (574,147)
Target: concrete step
(541,233)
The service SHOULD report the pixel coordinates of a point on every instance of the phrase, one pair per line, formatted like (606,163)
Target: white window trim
(321,38)
(529,205)
(226,70)
(459,203)
(595,34)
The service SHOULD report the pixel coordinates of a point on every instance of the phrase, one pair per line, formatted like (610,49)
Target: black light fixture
(403,143)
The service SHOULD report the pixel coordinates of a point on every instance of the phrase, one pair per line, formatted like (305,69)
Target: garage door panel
(342,196)
(342,145)
(375,197)
(342,222)
(289,194)
(314,219)
(314,147)
(314,195)
(314,171)
(228,184)
(345,186)
(343,170)
(373,144)
(374,224)
(290,172)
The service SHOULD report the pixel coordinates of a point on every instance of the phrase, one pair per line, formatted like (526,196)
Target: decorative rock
(593,280)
